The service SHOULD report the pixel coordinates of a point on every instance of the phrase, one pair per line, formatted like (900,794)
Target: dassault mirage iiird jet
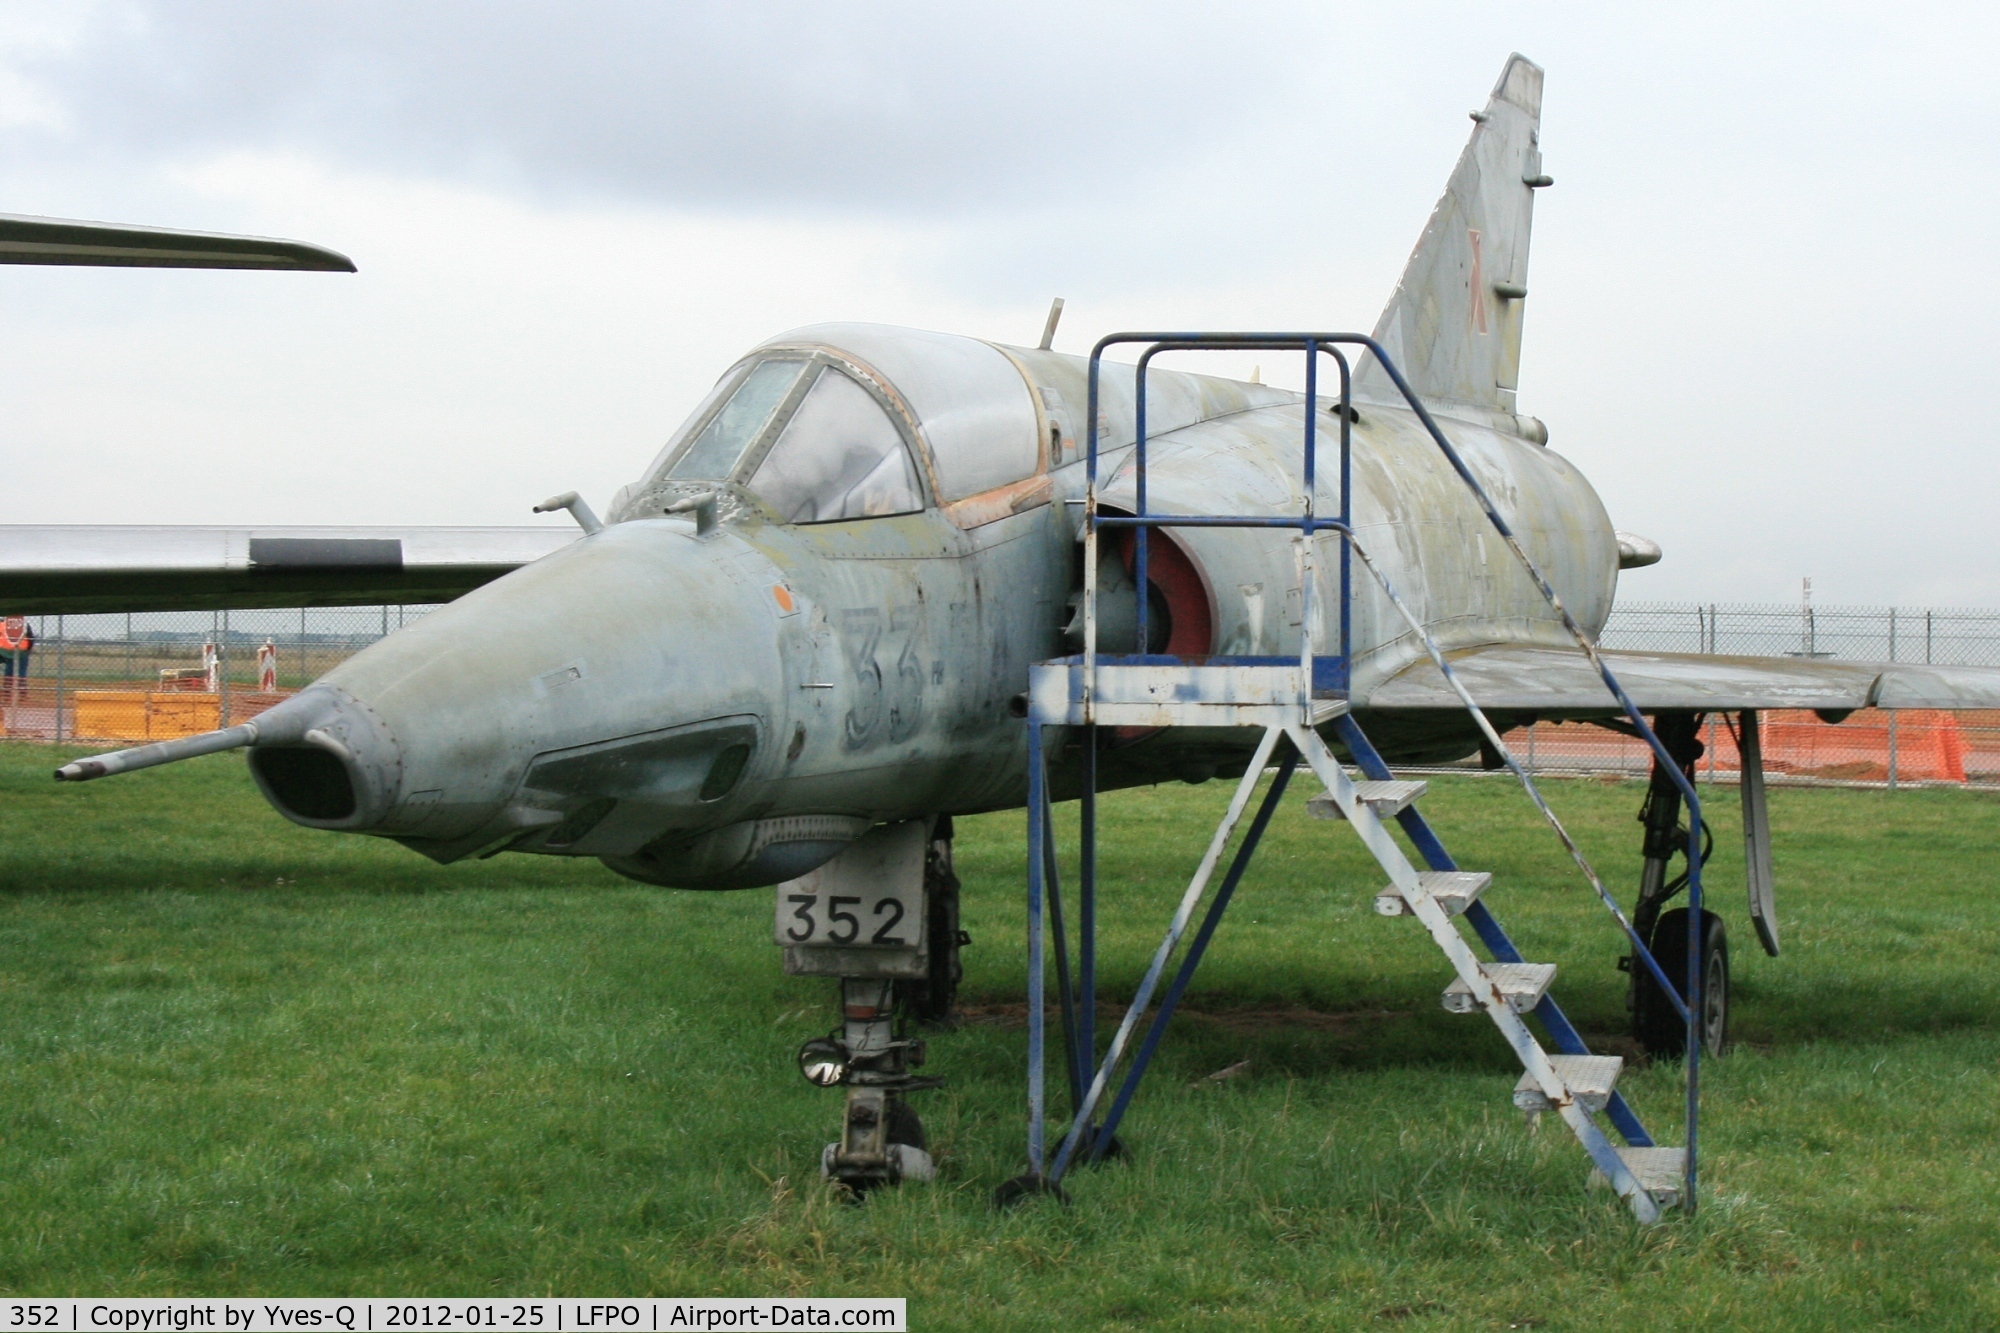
(801,641)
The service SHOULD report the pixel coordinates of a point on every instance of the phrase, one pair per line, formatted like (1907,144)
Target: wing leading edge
(1556,682)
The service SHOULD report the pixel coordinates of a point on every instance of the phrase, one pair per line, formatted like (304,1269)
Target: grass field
(240,1057)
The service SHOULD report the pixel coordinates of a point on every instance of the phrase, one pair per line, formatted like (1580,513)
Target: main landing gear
(891,978)
(1655,1025)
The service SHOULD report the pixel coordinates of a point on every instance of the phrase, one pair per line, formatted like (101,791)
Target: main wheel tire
(1657,1027)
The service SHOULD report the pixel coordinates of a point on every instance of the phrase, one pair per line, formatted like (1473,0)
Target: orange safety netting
(1930,746)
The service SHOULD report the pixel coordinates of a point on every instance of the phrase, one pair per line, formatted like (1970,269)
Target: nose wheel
(881,1143)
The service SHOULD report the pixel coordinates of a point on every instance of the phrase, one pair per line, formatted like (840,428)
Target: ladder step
(1521,985)
(1454,890)
(1662,1172)
(1590,1079)
(1387,799)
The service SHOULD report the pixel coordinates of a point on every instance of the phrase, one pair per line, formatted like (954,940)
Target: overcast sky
(1764,308)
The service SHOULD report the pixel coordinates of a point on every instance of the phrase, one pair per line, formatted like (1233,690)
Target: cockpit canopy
(850,421)
(829,450)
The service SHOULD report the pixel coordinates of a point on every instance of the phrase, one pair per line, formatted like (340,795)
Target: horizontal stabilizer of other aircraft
(37,240)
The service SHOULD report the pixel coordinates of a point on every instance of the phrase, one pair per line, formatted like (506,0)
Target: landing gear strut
(1655,1025)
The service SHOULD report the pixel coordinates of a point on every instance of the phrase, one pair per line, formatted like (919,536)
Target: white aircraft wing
(1556,682)
(48,568)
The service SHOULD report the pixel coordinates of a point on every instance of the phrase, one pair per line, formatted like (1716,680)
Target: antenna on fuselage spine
(1049,328)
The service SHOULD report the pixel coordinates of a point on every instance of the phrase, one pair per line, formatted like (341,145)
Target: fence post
(222,670)
(62,642)
(1892,650)
(1892,749)
(1927,638)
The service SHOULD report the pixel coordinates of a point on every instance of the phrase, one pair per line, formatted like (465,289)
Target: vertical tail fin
(1454,325)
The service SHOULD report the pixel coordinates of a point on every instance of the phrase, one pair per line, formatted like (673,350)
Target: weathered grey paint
(581,705)
(1454,324)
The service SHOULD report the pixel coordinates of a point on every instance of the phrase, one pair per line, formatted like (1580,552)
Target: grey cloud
(879,108)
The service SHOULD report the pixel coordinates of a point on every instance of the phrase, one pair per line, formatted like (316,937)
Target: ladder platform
(1521,985)
(1662,1172)
(1155,693)
(1590,1079)
(1454,891)
(1386,799)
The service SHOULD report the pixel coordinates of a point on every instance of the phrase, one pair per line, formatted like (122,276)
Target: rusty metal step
(1521,985)
(1662,1172)
(1454,890)
(1386,798)
(1589,1078)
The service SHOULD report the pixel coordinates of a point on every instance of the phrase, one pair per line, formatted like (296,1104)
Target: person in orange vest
(17,641)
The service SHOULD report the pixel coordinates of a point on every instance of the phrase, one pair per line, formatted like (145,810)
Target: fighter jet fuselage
(816,611)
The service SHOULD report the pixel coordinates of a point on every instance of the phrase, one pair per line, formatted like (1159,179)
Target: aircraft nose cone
(619,690)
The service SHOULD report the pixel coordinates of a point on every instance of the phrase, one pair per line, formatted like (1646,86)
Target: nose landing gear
(897,873)
(881,1139)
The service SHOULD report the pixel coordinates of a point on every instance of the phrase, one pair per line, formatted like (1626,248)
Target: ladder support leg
(1073,1064)
(1086,909)
(1037,836)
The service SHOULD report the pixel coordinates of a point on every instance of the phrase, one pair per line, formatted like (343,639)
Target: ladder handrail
(1314,345)
(1691,1006)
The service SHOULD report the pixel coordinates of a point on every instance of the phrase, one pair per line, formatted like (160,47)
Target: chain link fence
(1871,747)
(1950,636)
(155,675)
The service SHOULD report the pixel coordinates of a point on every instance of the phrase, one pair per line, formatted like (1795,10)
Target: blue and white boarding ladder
(1291,700)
